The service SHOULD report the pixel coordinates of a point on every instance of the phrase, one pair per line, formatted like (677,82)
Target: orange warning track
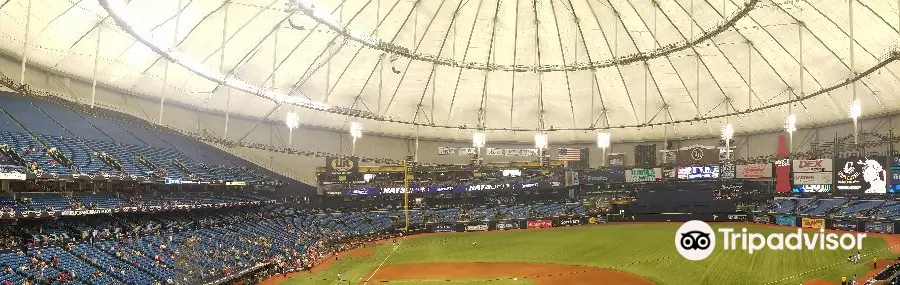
(541,274)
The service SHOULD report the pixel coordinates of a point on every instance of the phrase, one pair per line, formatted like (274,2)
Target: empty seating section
(38,202)
(80,137)
(837,207)
(29,116)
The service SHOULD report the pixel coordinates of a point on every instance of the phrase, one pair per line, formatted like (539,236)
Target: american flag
(570,154)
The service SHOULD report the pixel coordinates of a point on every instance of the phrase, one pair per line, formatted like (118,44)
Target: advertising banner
(752,171)
(443,228)
(812,223)
(813,165)
(782,167)
(729,218)
(12,176)
(477,227)
(786,220)
(507,225)
(643,175)
(494,151)
(566,222)
(728,171)
(762,219)
(615,159)
(812,188)
(879,227)
(605,175)
(698,172)
(442,150)
(466,151)
(812,178)
(697,155)
(861,175)
(895,175)
(528,152)
(844,225)
(539,224)
(341,165)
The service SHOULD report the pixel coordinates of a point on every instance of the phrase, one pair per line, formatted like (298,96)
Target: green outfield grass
(643,249)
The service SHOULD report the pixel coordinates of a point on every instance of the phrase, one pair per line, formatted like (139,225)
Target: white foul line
(383,261)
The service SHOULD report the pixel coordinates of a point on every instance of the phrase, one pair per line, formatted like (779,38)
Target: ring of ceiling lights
(116,12)
(335,25)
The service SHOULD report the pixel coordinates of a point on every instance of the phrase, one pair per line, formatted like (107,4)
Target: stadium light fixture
(292,121)
(356,133)
(355,130)
(478,140)
(790,125)
(727,135)
(855,113)
(541,141)
(727,132)
(855,109)
(603,140)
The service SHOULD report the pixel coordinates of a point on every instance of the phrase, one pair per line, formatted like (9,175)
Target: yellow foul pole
(406,193)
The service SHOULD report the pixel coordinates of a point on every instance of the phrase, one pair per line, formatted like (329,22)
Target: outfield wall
(518,224)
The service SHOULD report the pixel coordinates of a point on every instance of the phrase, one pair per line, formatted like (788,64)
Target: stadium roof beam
(615,49)
(587,51)
(562,55)
(465,52)
(307,74)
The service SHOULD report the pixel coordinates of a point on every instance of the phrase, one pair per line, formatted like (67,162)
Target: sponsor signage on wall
(895,175)
(750,171)
(472,228)
(845,225)
(880,227)
(812,223)
(698,172)
(697,155)
(605,175)
(538,224)
(12,176)
(341,165)
(762,219)
(643,175)
(812,188)
(786,220)
(506,226)
(782,167)
(565,222)
(813,165)
(861,175)
(812,178)
(443,228)
(727,171)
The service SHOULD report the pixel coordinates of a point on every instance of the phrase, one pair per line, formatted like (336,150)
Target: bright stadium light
(603,140)
(292,121)
(727,132)
(790,125)
(540,141)
(855,113)
(355,130)
(479,139)
(356,133)
(855,109)
(727,135)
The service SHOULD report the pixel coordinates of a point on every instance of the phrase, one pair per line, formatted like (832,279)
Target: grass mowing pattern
(643,249)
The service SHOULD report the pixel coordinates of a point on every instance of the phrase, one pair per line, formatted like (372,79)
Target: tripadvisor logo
(696,240)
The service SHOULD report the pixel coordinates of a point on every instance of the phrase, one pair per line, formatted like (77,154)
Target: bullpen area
(615,253)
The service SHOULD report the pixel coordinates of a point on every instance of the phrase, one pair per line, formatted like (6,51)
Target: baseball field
(603,254)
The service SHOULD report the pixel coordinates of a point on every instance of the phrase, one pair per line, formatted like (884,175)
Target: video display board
(699,172)
(861,175)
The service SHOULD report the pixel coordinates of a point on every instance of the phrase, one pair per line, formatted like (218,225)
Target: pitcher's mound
(540,273)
